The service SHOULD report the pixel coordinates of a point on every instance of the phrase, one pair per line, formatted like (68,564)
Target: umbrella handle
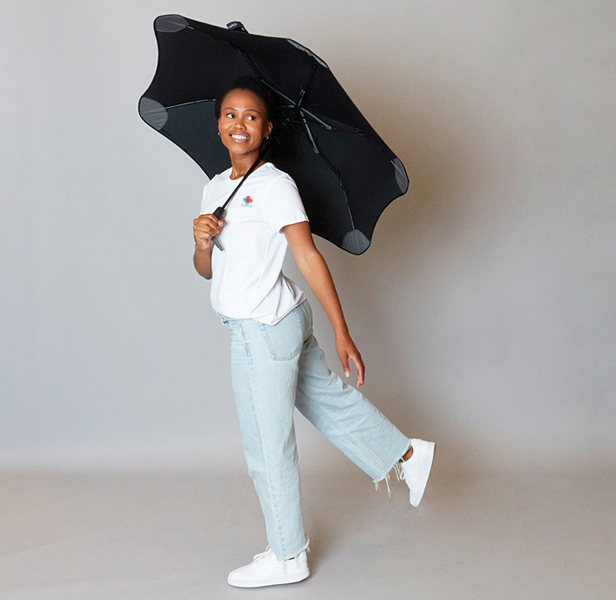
(219,213)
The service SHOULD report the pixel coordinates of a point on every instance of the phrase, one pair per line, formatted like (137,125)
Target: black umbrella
(344,171)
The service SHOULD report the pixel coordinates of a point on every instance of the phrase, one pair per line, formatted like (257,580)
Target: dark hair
(247,82)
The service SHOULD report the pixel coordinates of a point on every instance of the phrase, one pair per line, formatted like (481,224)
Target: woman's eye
(229,115)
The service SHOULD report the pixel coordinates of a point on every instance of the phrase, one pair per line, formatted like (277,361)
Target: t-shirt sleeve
(205,209)
(284,204)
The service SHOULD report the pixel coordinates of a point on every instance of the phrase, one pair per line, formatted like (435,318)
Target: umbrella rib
(306,131)
(346,198)
(299,110)
(315,118)
(312,140)
(192,102)
(309,113)
(291,103)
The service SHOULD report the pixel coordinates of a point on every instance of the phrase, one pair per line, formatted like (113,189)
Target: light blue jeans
(275,368)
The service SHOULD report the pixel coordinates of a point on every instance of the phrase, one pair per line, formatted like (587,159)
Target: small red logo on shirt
(247,201)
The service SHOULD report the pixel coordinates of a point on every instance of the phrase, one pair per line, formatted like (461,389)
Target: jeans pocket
(285,339)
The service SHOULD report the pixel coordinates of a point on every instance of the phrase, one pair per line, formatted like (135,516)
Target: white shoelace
(261,555)
(269,550)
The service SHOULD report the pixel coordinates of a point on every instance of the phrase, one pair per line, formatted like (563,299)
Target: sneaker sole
(273,581)
(426,451)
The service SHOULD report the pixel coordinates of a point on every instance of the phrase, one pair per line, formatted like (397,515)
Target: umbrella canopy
(344,171)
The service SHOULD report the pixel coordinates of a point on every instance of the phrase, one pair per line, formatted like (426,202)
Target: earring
(219,134)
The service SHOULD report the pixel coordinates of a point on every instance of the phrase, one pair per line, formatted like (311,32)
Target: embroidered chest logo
(247,201)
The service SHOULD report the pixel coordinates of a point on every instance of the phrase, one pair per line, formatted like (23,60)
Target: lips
(240,137)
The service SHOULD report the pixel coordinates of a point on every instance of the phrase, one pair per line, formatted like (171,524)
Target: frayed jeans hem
(396,467)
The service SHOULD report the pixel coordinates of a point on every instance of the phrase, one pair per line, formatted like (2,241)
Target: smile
(239,136)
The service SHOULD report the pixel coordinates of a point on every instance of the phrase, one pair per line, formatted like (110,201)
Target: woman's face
(243,123)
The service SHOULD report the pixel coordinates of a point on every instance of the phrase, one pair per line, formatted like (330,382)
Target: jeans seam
(265,461)
(370,458)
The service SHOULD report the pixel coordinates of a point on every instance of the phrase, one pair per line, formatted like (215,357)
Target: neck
(241,166)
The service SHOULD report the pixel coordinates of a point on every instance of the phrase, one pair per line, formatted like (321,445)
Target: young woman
(276,363)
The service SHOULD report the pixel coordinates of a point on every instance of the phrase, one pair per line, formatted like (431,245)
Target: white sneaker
(415,470)
(266,569)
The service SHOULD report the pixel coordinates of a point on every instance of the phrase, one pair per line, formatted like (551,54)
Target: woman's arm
(314,269)
(204,227)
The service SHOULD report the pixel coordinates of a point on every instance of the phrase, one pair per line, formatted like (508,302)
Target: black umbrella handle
(219,213)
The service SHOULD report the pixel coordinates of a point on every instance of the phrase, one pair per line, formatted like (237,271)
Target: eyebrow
(248,109)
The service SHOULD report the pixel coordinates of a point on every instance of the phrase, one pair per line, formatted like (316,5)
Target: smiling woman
(243,125)
(276,362)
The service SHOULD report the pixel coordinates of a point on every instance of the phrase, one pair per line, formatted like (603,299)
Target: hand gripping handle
(219,213)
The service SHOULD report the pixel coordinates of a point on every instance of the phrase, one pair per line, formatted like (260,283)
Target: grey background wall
(484,309)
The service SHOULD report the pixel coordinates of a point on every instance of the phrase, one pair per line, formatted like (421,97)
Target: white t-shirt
(247,279)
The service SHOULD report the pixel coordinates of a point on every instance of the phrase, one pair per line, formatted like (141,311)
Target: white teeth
(238,136)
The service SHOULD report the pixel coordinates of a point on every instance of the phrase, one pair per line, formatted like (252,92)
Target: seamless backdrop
(484,309)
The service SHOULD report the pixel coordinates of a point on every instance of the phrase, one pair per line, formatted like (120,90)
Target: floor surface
(132,536)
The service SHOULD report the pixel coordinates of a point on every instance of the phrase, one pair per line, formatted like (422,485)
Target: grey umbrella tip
(355,242)
(153,113)
(170,23)
(401,177)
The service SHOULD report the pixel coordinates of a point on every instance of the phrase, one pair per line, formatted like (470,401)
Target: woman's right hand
(204,228)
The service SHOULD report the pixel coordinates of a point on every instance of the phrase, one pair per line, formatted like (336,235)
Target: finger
(359,365)
(202,230)
(345,365)
(210,224)
(204,234)
(206,227)
(206,219)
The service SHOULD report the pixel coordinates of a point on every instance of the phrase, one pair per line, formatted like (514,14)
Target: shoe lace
(261,555)
(268,551)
